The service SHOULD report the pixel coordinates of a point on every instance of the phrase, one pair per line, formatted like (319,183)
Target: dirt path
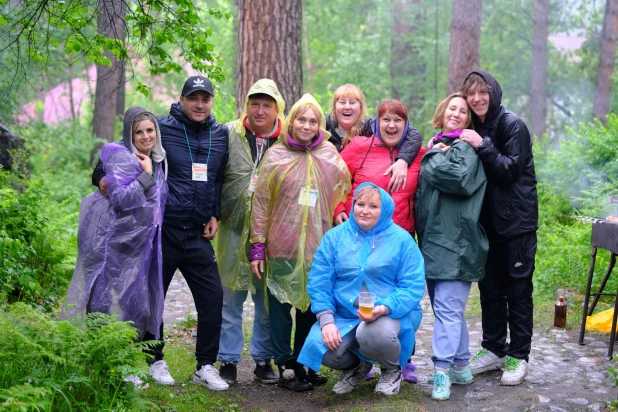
(563,375)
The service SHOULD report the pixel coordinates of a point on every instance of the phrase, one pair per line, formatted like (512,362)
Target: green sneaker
(458,377)
(441,386)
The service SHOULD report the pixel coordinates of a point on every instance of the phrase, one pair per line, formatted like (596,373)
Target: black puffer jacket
(510,207)
(409,148)
(190,203)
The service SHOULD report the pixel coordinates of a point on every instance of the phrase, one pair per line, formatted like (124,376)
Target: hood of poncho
(386,213)
(262,86)
(309,100)
(158,153)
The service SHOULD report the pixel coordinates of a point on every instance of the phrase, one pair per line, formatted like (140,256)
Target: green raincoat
(447,209)
(232,240)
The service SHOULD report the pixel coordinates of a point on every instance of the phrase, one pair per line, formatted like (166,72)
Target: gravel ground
(563,376)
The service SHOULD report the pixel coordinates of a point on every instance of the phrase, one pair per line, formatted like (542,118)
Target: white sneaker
(136,381)
(209,377)
(389,382)
(159,372)
(514,372)
(348,380)
(484,361)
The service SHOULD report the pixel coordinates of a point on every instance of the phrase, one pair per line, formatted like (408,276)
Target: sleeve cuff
(146,180)
(257,251)
(325,317)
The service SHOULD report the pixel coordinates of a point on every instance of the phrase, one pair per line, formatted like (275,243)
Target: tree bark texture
(603,91)
(109,78)
(465,42)
(407,67)
(269,46)
(538,77)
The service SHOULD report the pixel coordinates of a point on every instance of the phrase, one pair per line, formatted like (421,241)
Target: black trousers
(506,296)
(185,249)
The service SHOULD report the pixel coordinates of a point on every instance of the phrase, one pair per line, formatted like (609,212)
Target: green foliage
(38,222)
(54,365)
(576,178)
(166,35)
(32,261)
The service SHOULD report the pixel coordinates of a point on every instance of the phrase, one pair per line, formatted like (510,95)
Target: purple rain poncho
(118,268)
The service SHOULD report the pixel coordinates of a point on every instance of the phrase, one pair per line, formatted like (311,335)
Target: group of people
(318,213)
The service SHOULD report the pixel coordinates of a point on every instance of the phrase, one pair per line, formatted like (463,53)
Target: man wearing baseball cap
(197,153)
(250,137)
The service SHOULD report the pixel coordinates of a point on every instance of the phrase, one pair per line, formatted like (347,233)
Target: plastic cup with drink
(366,302)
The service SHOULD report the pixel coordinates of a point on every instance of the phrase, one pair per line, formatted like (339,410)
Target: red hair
(394,106)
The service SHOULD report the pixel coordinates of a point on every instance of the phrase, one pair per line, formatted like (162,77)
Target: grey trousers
(377,341)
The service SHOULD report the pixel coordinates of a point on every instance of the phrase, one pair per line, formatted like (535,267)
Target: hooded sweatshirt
(510,206)
(118,268)
(385,259)
(296,193)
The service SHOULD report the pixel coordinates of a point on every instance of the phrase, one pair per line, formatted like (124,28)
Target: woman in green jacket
(453,243)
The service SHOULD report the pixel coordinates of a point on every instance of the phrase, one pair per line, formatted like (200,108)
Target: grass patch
(185,396)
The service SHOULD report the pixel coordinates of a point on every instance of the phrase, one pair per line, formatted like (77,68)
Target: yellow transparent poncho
(232,240)
(282,217)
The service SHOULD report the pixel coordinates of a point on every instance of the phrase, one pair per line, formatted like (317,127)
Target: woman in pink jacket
(368,157)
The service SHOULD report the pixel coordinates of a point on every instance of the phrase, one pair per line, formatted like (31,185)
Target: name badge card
(308,196)
(253,182)
(199,172)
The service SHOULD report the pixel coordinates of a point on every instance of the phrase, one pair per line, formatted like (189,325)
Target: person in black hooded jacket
(197,153)
(510,219)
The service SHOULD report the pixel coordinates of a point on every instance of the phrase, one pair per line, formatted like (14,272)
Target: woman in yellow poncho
(301,181)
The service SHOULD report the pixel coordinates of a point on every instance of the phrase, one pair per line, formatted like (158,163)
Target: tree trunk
(465,42)
(407,67)
(110,24)
(603,92)
(269,46)
(538,83)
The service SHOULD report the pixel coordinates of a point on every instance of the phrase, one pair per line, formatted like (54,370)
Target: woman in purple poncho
(118,268)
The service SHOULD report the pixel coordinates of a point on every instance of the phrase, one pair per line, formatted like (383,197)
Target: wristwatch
(481,144)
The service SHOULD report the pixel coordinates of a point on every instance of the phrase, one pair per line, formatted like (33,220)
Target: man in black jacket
(510,219)
(196,147)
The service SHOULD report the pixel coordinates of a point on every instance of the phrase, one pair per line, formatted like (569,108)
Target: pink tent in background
(55,105)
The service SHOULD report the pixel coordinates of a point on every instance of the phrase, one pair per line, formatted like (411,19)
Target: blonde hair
(437,121)
(302,108)
(354,92)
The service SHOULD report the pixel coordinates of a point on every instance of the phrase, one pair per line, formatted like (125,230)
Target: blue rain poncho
(386,259)
(118,268)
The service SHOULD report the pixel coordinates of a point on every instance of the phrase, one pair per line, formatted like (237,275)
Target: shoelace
(512,364)
(440,379)
(479,354)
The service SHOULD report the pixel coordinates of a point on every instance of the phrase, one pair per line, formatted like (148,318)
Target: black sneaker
(265,373)
(289,381)
(228,372)
(315,378)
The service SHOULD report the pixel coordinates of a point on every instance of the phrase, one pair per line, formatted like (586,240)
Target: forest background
(391,49)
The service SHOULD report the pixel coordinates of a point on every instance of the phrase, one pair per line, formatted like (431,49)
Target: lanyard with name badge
(260,144)
(199,171)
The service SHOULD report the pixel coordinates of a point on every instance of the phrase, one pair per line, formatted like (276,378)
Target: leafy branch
(166,34)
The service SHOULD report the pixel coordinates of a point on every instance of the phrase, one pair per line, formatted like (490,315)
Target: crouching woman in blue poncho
(367,253)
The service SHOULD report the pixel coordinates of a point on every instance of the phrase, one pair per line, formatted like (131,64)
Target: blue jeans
(450,340)
(232,338)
